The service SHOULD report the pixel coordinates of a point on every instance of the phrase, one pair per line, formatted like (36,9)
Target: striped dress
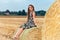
(30,22)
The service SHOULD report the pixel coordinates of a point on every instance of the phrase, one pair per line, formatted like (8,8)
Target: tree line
(21,13)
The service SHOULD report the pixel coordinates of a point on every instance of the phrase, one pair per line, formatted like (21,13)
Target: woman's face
(30,8)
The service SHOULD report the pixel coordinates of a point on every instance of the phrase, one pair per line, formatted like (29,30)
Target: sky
(16,5)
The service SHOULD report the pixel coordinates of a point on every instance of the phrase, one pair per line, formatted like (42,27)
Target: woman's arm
(34,16)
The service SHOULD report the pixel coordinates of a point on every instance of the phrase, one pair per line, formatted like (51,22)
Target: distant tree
(7,12)
(23,12)
(2,12)
(40,13)
(19,12)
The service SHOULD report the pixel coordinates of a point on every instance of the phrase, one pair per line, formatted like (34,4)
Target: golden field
(48,27)
(10,24)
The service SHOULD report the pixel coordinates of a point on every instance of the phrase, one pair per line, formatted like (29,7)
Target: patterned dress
(30,22)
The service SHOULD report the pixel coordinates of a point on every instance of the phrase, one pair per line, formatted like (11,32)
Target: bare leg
(18,33)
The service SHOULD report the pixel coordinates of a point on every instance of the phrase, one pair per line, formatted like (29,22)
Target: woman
(29,24)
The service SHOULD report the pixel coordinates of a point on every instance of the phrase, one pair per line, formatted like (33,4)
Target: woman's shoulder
(33,11)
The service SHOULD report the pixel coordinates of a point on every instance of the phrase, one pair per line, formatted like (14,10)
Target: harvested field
(9,25)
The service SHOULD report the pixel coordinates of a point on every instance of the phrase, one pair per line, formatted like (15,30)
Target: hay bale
(52,22)
(31,34)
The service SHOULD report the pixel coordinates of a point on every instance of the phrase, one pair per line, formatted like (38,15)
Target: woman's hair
(29,10)
(32,7)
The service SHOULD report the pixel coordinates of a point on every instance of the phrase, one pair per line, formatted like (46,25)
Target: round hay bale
(31,34)
(52,22)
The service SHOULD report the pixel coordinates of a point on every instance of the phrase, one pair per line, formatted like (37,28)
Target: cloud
(23,4)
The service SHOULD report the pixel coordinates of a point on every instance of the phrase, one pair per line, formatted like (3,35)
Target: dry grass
(8,26)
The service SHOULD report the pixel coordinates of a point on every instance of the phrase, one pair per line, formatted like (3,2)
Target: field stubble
(9,25)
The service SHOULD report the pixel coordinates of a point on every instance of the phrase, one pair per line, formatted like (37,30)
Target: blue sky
(15,5)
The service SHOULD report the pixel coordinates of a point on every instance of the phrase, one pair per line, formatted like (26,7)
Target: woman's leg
(18,33)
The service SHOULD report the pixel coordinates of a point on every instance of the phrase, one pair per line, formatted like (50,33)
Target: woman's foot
(15,38)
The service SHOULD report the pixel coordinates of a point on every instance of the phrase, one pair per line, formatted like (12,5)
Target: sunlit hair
(32,7)
(29,10)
